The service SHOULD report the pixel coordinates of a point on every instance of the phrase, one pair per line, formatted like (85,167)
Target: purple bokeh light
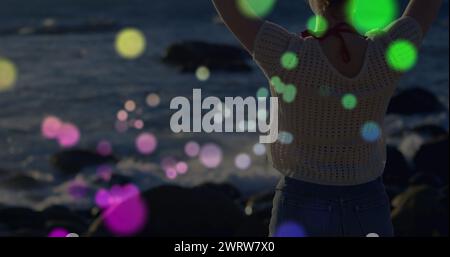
(290,229)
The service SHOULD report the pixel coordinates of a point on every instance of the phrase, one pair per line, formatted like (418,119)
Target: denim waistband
(295,186)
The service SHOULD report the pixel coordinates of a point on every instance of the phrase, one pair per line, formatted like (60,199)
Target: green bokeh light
(262,92)
(317,25)
(349,101)
(366,15)
(289,60)
(289,94)
(255,9)
(277,84)
(401,55)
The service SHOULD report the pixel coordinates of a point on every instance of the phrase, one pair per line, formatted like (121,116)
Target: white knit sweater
(328,147)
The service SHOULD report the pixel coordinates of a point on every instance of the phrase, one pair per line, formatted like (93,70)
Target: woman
(332,169)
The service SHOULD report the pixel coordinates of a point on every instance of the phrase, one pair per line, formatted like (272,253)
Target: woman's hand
(244,28)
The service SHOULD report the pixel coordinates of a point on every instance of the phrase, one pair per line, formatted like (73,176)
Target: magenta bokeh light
(124,212)
(58,232)
(126,218)
(104,172)
(77,189)
(104,148)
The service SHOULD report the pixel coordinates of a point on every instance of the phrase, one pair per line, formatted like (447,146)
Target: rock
(58,212)
(227,189)
(185,212)
(397,171)
(192,54)
(414,101)
(443,211)
(62,217)
(259,207)
(16,218)
(433,158)
(413,139)
(72,161)
(430,131)
(416,212)
(420,179)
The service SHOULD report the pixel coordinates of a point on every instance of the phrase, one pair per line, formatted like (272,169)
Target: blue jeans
(307,209)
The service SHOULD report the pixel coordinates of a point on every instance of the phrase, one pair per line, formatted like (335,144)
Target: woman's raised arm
(423,11)
(244,28)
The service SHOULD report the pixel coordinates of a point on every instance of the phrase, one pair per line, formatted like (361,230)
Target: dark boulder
(62,217)
(429,179)
(227,189)
(430,131)
(185,212)
(259,207)
(417,212)
(414,101)
(73,161)
(16,218)
(432,157)
(397,171)
(188,56)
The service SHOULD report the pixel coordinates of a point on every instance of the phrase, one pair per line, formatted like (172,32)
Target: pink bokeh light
(50,127)
(211,155)
(139,124)
(146,143)
(181,167)
(68,135)
(171,173)
(122,115)
(192,149)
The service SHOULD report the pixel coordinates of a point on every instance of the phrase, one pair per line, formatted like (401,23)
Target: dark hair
(325,4)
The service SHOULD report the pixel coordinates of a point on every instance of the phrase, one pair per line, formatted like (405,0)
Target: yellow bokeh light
(130,43)
(202,73)
(8,74)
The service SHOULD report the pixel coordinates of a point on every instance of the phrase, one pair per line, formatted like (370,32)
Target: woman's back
(335,90)
(357,47)
(332,110)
